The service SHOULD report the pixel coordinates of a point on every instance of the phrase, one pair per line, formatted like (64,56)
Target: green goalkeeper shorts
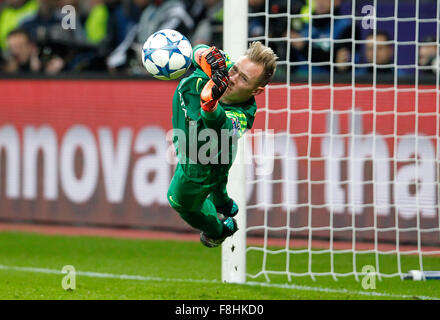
(185,194)
(196,202)
(189,193)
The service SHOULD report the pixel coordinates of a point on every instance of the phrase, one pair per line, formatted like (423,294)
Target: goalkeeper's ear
(257,91)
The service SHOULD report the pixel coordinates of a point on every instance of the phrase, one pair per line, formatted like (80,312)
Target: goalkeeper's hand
(211,60)
(213,90)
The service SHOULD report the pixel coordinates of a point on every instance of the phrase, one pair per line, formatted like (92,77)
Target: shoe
(229,209)
(229,228)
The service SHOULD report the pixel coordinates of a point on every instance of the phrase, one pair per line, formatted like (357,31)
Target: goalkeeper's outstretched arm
(214,64)
(235,88)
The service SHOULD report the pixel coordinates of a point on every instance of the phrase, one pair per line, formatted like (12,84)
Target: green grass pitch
(30,268)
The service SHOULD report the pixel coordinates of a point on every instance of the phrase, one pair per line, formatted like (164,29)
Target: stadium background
(100,159)
(64,159)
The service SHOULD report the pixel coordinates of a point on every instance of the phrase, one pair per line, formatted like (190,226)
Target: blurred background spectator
(12,14)
(156,15)
(160,14)
(108,34)
(209,29)
(379,51)
(257,24)
(22,53)
(67,46)
(96,20)
(125,16)
(428,56)
(322,41)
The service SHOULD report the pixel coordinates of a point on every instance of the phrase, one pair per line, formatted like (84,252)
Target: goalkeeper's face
(244,81)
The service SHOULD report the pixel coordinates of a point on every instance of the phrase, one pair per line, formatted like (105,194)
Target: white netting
(356,140)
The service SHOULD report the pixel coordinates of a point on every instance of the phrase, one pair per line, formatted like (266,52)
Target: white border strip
(251,283)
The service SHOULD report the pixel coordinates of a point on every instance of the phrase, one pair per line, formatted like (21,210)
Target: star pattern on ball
(163,57)
(172,47)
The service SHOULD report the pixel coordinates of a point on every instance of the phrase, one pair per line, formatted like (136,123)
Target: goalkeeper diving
(217,100)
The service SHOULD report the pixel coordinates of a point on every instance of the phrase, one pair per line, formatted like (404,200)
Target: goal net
(343,161)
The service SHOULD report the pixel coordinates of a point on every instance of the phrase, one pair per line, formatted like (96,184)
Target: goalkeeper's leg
(189,199)
(222,202)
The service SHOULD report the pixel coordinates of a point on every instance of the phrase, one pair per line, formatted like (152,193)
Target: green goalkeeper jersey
(207,155)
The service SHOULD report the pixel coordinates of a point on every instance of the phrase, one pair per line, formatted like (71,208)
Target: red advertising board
(94,152)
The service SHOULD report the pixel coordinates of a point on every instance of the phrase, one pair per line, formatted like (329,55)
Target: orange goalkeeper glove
(211,60)
(213,90)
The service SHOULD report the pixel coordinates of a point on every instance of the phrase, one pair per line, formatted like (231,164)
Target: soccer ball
(167,54)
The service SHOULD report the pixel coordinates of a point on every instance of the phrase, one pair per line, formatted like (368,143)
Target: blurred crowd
(53,36)
(325,38)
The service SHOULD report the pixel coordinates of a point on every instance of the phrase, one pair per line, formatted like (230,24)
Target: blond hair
(262,55)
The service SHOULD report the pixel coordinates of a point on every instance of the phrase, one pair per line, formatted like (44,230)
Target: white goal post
(235,34)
